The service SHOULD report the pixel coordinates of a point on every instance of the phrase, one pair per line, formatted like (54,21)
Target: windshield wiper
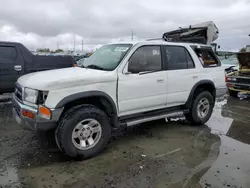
(95,67)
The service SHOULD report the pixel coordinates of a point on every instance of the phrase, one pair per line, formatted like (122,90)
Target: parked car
(238,80)
(121,84)
(16,60)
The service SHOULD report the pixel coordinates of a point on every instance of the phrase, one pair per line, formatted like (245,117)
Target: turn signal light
(28,114)
(44,112)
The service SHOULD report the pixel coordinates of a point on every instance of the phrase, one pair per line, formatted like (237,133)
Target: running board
(136,121)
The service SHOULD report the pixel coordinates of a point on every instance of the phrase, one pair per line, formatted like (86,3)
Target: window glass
(8,53)
(146,58)
(176,57)
(207,58)
(107,57)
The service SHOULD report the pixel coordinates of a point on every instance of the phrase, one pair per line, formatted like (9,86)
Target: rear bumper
(37,123)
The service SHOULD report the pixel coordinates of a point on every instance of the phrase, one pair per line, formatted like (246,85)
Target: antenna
(132,37)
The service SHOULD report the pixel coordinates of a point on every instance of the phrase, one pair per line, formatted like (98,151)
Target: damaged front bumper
(36,123)
(239,87)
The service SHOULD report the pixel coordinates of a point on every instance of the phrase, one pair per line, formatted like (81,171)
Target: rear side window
(8,53)
(207,58)
(177,57)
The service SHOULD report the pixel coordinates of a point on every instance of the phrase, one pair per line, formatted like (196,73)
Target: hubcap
(203,108)
(86,134)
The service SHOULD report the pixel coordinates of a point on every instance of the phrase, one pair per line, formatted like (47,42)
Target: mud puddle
(156,154)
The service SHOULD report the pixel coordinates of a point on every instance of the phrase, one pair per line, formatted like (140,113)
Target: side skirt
(134,119)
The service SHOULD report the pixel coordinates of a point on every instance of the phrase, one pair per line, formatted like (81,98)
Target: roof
(9,43)
(159,42)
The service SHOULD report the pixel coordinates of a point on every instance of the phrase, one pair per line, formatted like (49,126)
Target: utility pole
(132,37)
(82,45)
(74,43)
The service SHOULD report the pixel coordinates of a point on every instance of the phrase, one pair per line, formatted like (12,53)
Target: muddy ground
(157,154)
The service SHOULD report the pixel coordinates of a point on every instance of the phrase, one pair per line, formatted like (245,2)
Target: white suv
(121,84)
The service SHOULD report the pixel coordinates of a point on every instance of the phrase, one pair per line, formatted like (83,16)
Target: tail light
(226,78)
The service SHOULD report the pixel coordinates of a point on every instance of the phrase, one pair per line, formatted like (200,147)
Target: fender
(86,94)
(200,83)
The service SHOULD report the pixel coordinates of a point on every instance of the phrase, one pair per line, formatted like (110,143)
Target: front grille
(19,92)
(243,81)
(243,87)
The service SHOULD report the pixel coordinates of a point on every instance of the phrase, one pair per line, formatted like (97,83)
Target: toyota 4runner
(121,84)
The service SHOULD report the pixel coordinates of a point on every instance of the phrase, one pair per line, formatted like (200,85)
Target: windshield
(80,62)
(107,57)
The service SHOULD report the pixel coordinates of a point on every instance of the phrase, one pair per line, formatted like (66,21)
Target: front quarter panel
(55,96)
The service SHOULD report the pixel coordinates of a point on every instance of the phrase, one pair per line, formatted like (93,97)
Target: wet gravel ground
(158,154)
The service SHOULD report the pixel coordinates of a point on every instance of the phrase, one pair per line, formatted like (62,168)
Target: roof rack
(154,39)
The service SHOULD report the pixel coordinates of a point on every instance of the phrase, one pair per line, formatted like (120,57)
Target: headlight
(30,95)
(231,79)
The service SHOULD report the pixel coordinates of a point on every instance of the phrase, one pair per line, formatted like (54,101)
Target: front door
(11,67)
(142,86)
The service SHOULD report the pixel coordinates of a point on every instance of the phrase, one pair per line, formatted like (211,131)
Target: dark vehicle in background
(16,60)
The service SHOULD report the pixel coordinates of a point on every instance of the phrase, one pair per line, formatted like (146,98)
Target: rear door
(11,67)
(181,74)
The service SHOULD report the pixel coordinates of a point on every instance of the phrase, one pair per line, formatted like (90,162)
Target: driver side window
(146,58)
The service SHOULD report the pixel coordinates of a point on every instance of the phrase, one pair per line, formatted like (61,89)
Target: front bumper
(239,87)
(37,123)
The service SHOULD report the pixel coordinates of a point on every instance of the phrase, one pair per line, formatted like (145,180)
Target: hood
(203,33)
(63,78)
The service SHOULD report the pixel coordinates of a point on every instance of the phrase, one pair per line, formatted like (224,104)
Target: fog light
(44,112)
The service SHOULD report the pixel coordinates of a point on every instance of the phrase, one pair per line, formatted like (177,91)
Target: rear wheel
(83,132)
(201,109)
(233,93)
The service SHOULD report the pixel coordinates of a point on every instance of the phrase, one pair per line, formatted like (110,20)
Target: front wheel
(201,109)
(84,131)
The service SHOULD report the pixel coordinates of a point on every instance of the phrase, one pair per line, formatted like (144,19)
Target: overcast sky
(52,23)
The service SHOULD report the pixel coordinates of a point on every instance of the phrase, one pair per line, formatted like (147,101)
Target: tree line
(47,50)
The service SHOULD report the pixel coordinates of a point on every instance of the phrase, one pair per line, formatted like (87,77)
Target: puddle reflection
(232,123)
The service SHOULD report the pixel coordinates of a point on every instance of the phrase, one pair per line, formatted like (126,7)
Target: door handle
(18,68)
(160,81)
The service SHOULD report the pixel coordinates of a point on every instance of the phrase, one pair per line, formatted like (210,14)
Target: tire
(76,120)
(233,93)
(193,116)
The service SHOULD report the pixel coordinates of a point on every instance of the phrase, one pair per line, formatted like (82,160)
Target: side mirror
(218,46)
